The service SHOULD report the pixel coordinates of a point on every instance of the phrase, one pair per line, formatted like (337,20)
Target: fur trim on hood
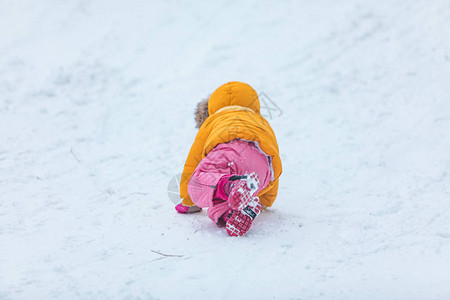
(201,113)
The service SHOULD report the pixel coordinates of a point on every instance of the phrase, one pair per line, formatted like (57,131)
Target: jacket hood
(234,93)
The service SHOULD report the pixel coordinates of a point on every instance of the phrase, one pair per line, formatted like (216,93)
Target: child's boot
(245,206)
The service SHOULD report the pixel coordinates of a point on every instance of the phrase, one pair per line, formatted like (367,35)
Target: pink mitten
(181,209)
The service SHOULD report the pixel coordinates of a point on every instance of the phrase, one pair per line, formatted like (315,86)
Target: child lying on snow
(234,165)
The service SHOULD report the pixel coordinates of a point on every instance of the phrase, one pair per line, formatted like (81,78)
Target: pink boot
(245,206)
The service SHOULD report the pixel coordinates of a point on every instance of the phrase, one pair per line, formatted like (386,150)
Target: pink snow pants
(237,157)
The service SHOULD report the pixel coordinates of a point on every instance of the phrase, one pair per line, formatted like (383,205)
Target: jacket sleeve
(194,157)
(269,196)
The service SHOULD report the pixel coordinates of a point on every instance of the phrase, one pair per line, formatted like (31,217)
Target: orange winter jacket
(234,112)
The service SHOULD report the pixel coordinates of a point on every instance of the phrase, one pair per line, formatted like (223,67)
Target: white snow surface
(96,117)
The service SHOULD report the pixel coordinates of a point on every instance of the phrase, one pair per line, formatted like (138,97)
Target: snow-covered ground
(96,118)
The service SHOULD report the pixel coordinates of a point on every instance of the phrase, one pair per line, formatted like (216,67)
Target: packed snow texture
(96,117)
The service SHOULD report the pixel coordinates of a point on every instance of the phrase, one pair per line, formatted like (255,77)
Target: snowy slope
(96,117)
